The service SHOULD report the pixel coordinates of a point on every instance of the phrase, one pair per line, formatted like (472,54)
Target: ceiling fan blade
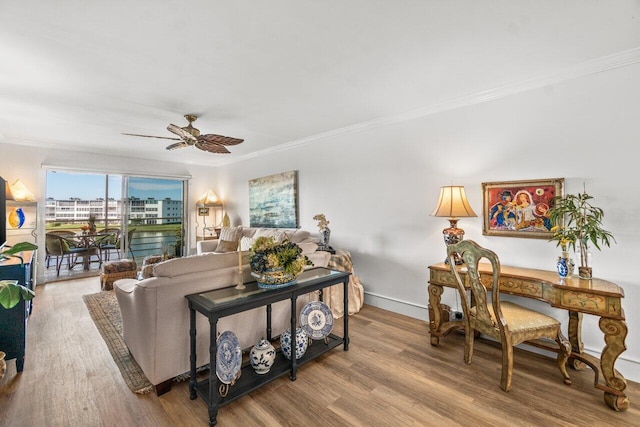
(211,147)
(151,136)
(186,136)
(219,139)
(180,144)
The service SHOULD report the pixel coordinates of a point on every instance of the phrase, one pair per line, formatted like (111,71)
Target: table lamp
(207,200)
(20,192)
(453,204)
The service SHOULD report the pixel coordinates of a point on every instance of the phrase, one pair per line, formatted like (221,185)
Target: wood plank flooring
(391,376)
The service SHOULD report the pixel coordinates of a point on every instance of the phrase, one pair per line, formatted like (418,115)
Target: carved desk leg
(615,332)
(575,338)
(435,293)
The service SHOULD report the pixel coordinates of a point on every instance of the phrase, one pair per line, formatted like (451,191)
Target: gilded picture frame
(519,208)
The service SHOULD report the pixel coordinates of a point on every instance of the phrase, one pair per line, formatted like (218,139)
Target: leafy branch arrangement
(577,220)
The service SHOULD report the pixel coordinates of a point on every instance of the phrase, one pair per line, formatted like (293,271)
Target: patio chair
(108,243)
(122,252)
(61,247)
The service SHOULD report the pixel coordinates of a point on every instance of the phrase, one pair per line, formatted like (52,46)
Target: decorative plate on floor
(228,357)
(316,319)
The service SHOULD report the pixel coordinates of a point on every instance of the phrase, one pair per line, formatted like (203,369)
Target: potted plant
(276,264)
(577,221)
(10,291)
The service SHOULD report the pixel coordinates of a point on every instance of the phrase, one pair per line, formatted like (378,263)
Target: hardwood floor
(390,376)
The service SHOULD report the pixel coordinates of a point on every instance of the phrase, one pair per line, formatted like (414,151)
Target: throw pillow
(230,234)
(226,246)
(246,243)
(278,235)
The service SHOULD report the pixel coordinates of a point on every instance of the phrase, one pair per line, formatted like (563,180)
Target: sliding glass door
(148,212)
(154,216)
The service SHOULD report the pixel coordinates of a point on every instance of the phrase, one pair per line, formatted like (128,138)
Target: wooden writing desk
(578,296)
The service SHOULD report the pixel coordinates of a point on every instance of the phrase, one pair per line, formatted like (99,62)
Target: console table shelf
(227,301)
(249,380)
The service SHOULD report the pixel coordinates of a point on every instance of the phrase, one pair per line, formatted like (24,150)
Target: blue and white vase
(262,356)
(561,266)
(324,237)
(302,341)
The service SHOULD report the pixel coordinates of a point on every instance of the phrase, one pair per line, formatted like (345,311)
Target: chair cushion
(520,318)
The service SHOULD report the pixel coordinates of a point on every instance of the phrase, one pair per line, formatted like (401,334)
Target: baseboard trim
(629,368)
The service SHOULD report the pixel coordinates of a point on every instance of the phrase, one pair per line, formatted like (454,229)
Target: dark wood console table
(578,296)
(227,301)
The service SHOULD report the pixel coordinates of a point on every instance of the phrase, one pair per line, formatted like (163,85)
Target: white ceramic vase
(262,356)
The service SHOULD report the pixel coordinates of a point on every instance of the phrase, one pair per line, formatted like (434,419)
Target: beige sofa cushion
(195,263)
(246,243)
(308,247)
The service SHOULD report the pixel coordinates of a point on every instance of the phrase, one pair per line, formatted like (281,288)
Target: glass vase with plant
(576,221)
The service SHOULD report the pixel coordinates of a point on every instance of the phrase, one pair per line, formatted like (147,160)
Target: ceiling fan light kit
(188,136)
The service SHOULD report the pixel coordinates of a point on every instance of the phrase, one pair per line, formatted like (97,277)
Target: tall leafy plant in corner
(10,292)
(576,221)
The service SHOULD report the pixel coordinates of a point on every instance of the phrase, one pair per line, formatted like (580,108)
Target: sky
(64,185)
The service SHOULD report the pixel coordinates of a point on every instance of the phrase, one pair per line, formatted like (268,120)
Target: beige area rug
(104,310)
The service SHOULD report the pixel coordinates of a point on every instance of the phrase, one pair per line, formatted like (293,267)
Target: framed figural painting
(273,201)
(519,208)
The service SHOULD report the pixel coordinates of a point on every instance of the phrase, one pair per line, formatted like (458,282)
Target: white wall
(378,186)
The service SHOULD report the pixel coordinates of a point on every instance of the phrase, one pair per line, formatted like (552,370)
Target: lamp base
(453,235)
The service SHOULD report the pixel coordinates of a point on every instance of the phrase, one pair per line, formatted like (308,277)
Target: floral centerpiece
(276,264)
(577,221)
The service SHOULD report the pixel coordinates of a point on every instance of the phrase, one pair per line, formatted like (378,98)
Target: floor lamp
(453,204)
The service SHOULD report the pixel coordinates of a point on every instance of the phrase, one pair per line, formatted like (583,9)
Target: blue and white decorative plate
(316,319)
(228,357)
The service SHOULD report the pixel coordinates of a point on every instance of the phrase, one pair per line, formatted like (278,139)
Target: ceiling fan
(189,135)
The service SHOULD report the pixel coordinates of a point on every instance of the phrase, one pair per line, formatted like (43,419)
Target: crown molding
(594,66)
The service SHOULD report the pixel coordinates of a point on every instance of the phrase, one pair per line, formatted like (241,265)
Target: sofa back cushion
(195,263)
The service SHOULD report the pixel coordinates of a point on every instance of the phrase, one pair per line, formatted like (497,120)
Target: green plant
(576,220)
(269,254)
(10,291)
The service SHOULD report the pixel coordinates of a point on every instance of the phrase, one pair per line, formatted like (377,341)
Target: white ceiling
(75,74)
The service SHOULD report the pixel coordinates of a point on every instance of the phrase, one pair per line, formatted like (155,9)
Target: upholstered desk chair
(508,323)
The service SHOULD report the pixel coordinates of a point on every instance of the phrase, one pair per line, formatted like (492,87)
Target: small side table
(333,296)
(116,270)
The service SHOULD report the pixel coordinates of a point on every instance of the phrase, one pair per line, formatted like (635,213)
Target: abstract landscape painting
(273,201)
